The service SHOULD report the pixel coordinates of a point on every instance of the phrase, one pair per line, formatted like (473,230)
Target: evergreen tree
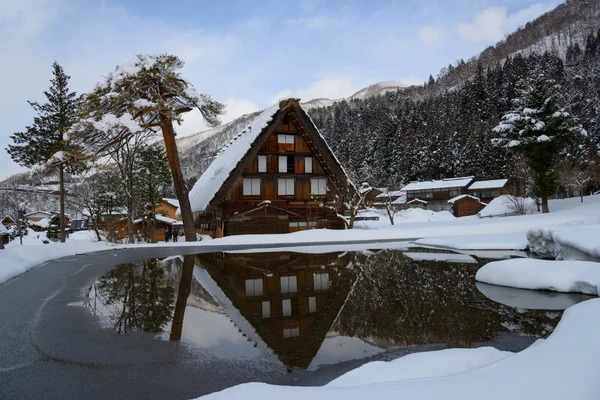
(54,228)
(43,141)
(540,128)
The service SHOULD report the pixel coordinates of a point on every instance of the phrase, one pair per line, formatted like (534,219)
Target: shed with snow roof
(277,176)
(465,205)
(168,207)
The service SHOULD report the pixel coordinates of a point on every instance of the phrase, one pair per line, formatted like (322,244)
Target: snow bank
(498,241)
(567,242)
(564,366)
(557,276)
(530,299)
(503,206)
(17,259)
(429,364)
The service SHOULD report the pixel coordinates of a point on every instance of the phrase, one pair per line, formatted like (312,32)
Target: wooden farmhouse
(277,176)
(465,205)
(369,193)
(437,193)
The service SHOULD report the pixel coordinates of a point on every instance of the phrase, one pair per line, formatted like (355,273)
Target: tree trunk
(390,215)
(96,230)
(581,194)
(180,189)
(183,293)
(61,173)
(545,208)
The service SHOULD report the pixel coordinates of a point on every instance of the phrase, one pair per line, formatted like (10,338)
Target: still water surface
(296,311)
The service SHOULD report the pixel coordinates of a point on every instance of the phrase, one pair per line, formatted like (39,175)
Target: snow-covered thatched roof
(3,229)
(213,178)
(440,184)
(490,184)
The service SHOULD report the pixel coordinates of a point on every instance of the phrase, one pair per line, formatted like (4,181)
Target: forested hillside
(392,138)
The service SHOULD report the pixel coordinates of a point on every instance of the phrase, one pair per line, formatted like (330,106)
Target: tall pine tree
(42,142)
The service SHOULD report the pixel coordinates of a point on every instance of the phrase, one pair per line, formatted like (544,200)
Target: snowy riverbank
(564,366)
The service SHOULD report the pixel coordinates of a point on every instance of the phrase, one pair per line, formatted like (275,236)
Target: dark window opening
(290,164)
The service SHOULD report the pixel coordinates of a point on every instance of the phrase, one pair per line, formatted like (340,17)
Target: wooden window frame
(315,186)
(287,182)
(254,184)
(308,161)
(262,162)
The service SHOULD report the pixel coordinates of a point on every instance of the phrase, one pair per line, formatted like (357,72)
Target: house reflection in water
(290,299)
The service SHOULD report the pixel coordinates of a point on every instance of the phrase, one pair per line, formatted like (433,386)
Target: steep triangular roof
(212,187)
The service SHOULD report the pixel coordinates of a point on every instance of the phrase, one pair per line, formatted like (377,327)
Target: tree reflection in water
(135,296)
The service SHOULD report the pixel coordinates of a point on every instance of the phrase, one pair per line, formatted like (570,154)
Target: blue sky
(244,53)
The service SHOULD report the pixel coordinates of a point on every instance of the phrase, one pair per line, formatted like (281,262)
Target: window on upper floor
(286,164)
(453,193)
(251,187)
(285,187)
(308,165)
(254,287)
(321,281)
(285,139)
(318,186)
(428,195)
(289,284)
(262,163)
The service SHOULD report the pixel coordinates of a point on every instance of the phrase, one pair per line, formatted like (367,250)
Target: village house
(437,193)
(277,176)
(370,193)
(168,207)
(397,198)
(37,216)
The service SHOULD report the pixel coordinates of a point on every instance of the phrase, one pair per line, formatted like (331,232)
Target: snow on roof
(462,196)
(441,184)
(417,201)
(3,229)
(364,189)
(401,199)
(38,212)
(167,220)
(173,202)
(390,193)
(490,184)
(223,165)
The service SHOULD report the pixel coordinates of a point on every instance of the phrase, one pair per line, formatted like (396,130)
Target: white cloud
(330,88)
(430,34)
(493,23)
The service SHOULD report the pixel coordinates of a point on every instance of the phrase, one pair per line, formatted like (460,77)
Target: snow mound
(564,366)
(429,364)
(420,215)
(492,241)
(575,241)
(503,206)
(556,276)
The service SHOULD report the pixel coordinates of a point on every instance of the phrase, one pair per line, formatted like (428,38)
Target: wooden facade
(290,299)
(168,208)
(288,180)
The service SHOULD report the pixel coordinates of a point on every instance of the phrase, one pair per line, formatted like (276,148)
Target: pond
(300,313)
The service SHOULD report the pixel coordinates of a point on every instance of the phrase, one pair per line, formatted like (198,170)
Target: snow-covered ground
(557,276)
(564,366)
(576,240)
(468,233)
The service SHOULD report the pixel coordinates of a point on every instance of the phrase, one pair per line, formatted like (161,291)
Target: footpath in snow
(564,366)
(557,276)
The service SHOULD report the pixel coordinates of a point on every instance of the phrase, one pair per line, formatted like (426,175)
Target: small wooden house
(437,193)
(369,193)
(465,205)
(277,176)
(4,238)
(8,221)
(168,207)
